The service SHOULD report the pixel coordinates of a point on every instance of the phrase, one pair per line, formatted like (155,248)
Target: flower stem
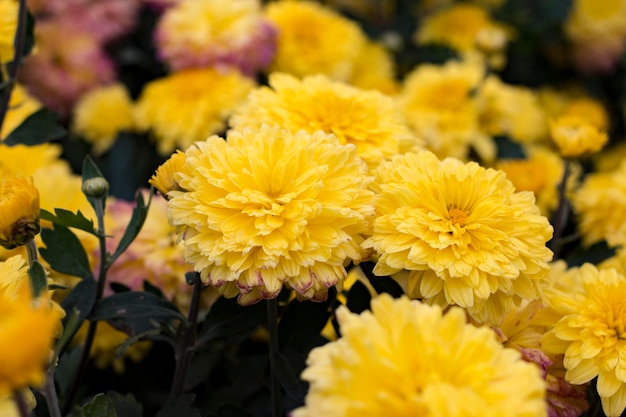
(22,406)
(272,327)
(559,218)
(51,393)
(93,325)
(187,347)
(18,43)
(31,251)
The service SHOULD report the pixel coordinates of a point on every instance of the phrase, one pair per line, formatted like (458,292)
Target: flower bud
(96,187)
(19,211)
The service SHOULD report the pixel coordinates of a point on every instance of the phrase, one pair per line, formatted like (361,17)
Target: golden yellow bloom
(440,106)
(406,359)
(589,109)
(367,119)
(591,332)
(21,318)
(163,179)
(270,208)
(462,231)
(101,114)
(460,26)
(600,207)
(21,106)
(8,27)
(512,111)
(540,173)
(189,106)
(313,39)
(19,211)
(374,69)
(576,137)
(27,160)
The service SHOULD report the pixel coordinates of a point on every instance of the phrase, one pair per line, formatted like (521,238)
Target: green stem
(52,400)
(272,327)
(18,43)
(31,251)
(559,218)
(22,405)
(187,347)
(93,325)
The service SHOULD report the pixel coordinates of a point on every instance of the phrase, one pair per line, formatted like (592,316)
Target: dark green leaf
(69,219)
(228,320)
(64,252)
(302,323)
(287,371)
(135,312)
(81,298)
(148,287)
(126,344)
(65,371)
(125,405)
(508,149)
(232,410)
(40,127)
(594,254)
(381,284)
(71,324)
(118,287)
(179,407)
(38,278)
(134,226)
(98,407)
(359,298)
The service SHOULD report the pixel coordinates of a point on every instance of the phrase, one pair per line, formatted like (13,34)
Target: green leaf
(179,407)
(287,371)
(228,320)
(232,410)
(82,299)
(125,405)
(140,212)
(509,149)
(135,312)
(98,407)
(64,252)
(69,219)
(72,322)
(40,127)
(359,298)
(126,344)
(38,278)
(302,323)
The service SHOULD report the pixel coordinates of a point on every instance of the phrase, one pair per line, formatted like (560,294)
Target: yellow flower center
(457,216)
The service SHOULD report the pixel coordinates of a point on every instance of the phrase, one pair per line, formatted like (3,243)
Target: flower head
(101,114)
(250,228)
(462,231)
(374,69)
(408,359)
(8,27)
(308,40)
(576,137)
(591,332)
(367,119)
(189,106)
(21,106)
(19,208)
(216,33)
(163,180)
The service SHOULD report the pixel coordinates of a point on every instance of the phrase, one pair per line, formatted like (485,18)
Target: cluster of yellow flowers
(333,163)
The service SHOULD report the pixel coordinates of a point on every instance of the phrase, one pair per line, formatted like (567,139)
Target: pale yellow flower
(101,114)
(268,208)
(164,178)
(21,106)
(462,231)
(189,106)
(591,332)
(440,105)
(406,359)
(19,211)
(8,407)
(313,39)
(576,137)
(374,69)
(367,119)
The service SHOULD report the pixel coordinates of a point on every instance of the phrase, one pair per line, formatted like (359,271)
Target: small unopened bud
(96,187)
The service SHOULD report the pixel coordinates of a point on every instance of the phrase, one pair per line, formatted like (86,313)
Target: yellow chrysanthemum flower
(308,40)
(374,69)
(589,109)
(269,208)
(27,160)
(189,106)
(511,110)
(367,119)
(462,231)
(21,106)
(610,158)
(576,137)
(8,407)
(540,173)
(8,27)
(407,359)
(591,332)
(440,106)
(21,318)
(101,114)
(600,206)
(163,179)
(19,211)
